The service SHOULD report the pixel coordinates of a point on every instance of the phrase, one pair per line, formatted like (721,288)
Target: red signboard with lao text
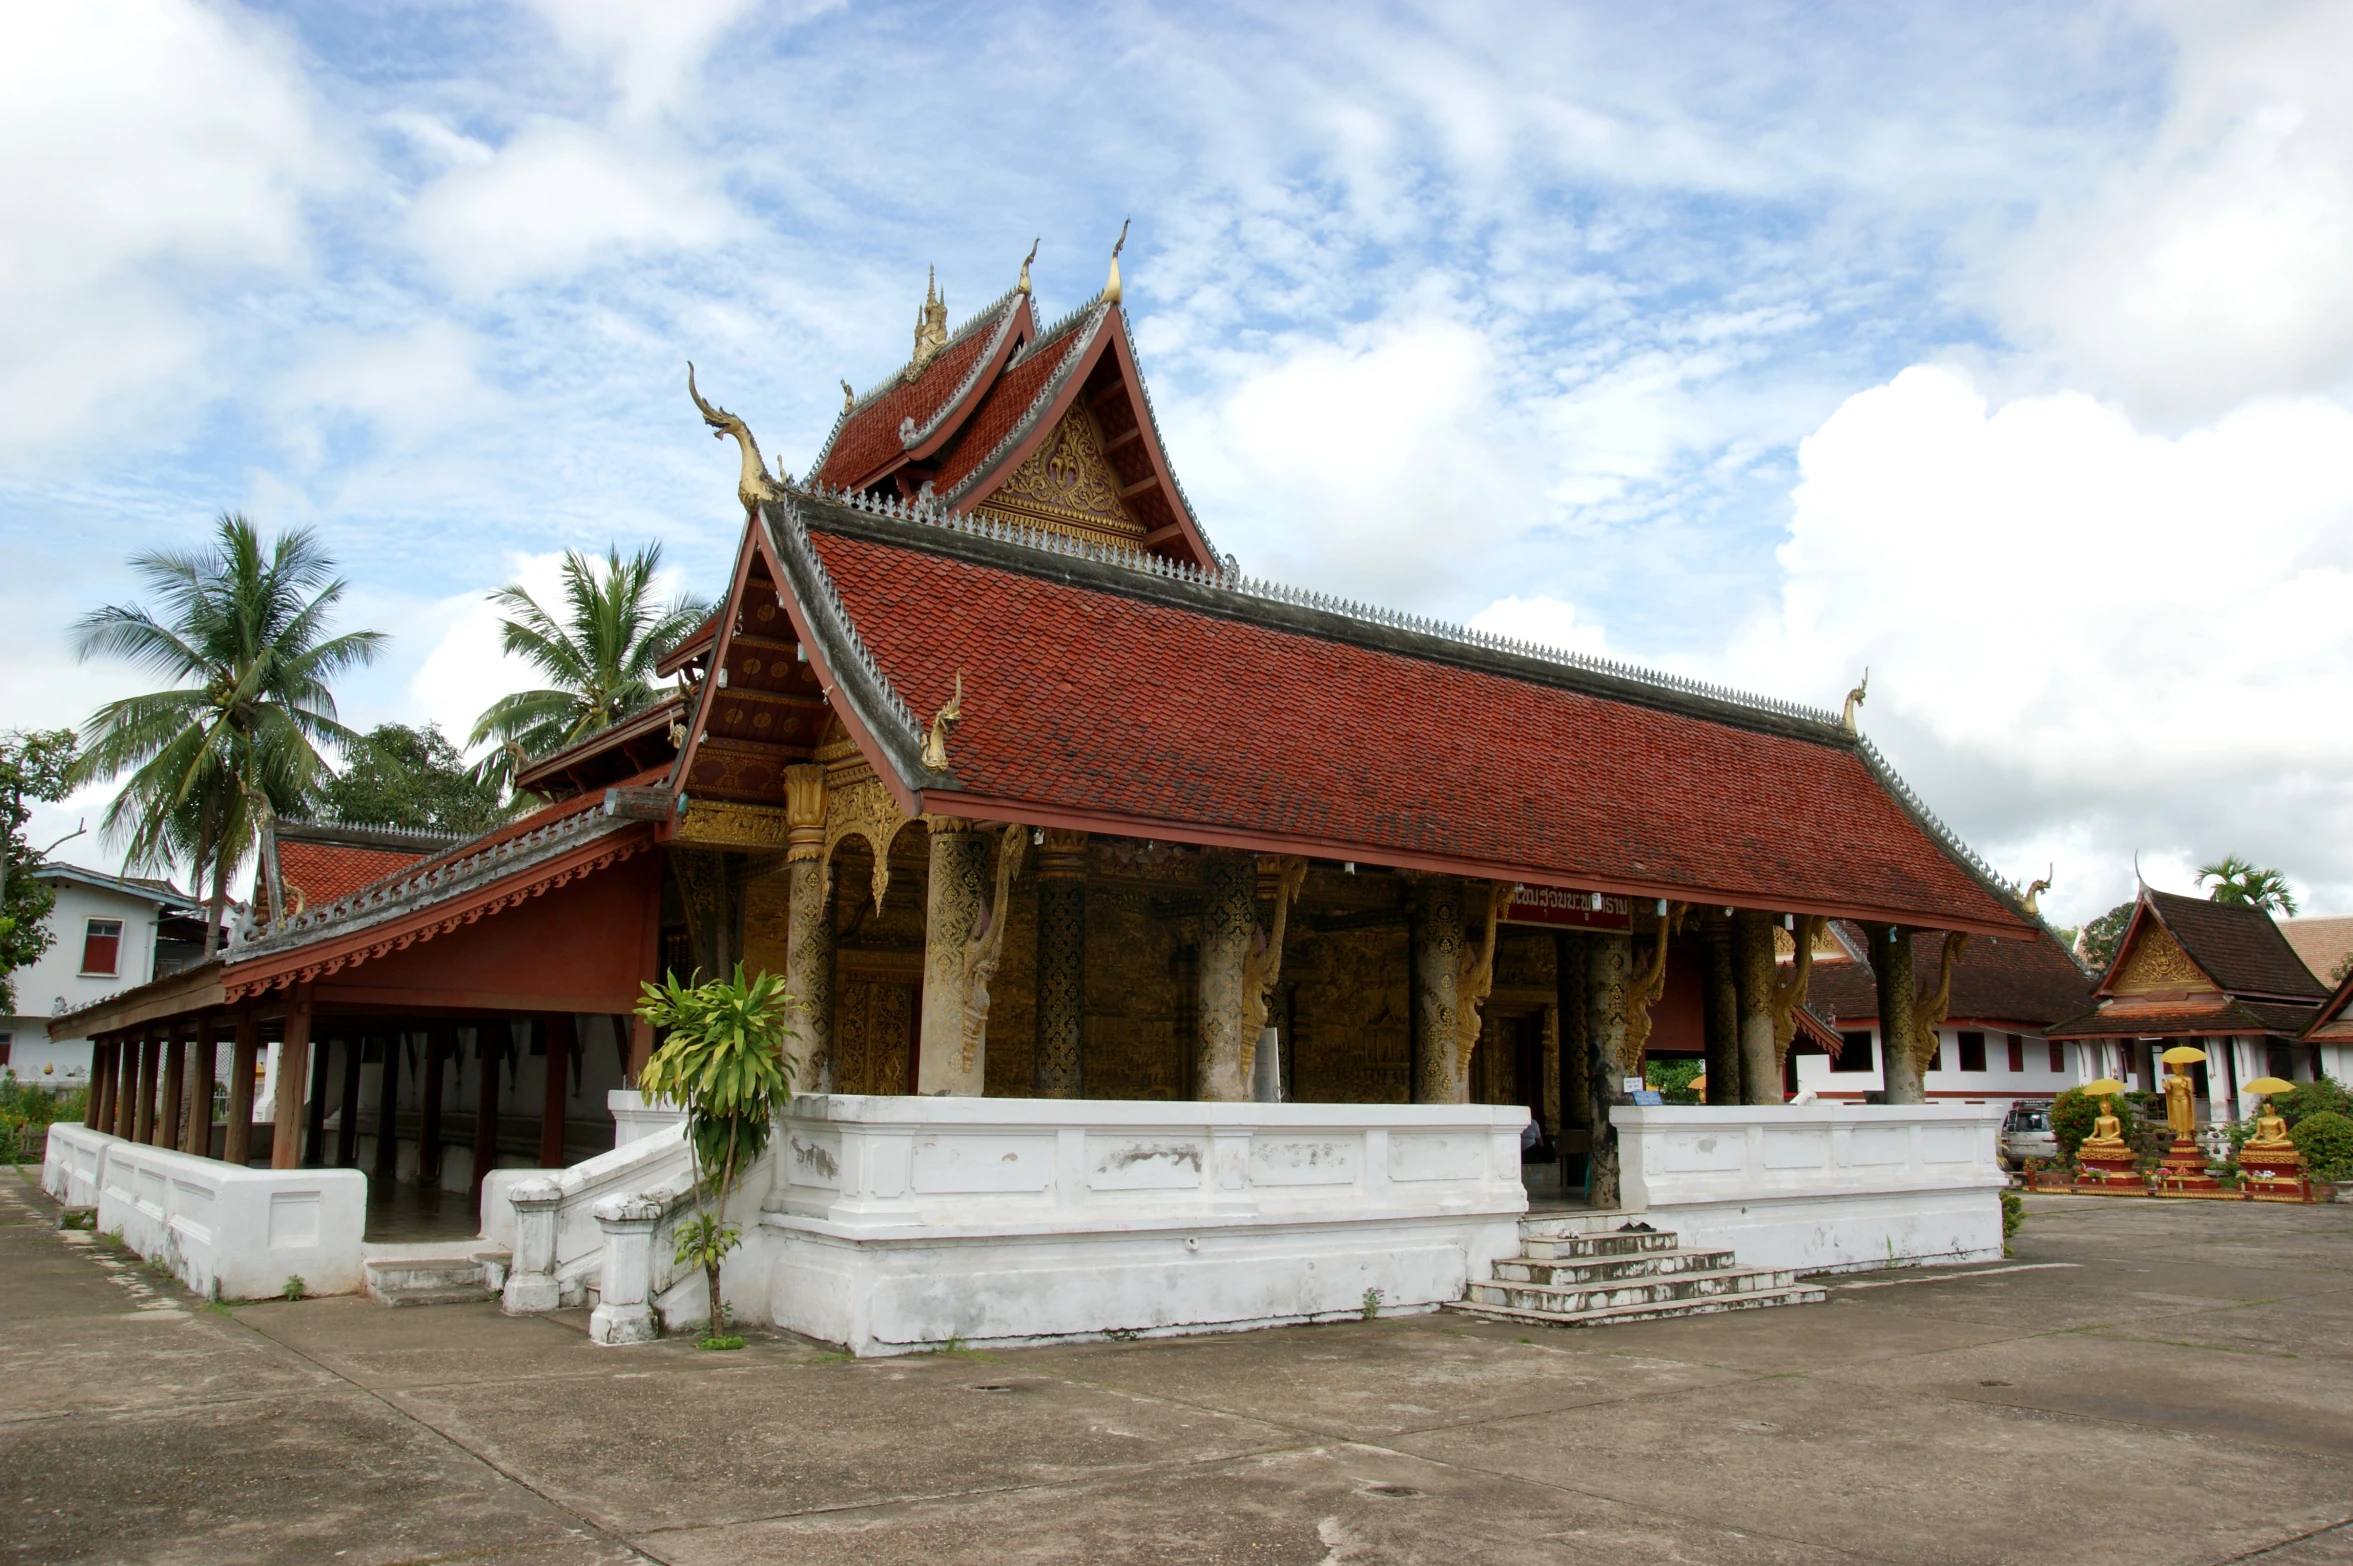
(1557,905)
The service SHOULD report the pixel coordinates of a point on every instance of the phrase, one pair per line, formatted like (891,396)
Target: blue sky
(2007,350)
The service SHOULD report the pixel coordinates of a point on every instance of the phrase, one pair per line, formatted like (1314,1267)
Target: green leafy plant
(2323,1096)
(2241,882)
(1371,1305)
(1673,1079)
(295,1288)
(725,1063)
(2013,1217)
(2326,1141)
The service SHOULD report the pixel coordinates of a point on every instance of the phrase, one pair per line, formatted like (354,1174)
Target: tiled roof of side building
(1088,689)
(867,436)
(2322,942)
(2032,983)
(1018,397)
(2240,948)
(318,873)
(2205,1017)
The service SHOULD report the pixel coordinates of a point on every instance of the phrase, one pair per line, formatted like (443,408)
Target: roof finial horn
(1111,289)
(1022,286)
(1854,700)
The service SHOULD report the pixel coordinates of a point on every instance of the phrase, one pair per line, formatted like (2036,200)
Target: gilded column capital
(804,812)
(1062,856)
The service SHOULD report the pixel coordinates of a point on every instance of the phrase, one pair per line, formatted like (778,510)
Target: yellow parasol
(2183,1055)
(2103,1088)
(1699,1084)
(2267,1086)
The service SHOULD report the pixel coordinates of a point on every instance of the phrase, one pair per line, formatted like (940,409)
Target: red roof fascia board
(2332,1009)
(1084,706)
(333,954)
(699,710)
(1197,543)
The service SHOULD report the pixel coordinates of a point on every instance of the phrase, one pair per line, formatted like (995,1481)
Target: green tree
(2326,1141)
(33,766)
(2101,935)
(412,777)
(725,1063)
(598,656)
(241,637)
(2240,882)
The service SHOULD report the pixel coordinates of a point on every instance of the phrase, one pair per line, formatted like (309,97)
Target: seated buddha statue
(2107,1130)
(2271,1132)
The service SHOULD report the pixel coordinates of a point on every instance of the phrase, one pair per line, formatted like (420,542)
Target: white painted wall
(57,983)
(1996,1085)
(1819,1186)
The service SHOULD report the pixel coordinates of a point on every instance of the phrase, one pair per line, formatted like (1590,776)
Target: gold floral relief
(2157,962)
(1069,486)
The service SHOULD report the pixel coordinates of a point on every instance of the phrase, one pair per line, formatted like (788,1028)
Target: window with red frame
(102,945)
(2017,1053)
(2058,1056)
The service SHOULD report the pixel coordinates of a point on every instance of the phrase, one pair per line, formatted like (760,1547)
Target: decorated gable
(2155,961)
(1068,486)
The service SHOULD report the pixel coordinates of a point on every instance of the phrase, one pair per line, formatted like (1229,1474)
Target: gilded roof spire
(931,325)
(1022,287)
(1111,289)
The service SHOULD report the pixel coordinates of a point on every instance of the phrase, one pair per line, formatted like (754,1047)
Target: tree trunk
(1899,1044)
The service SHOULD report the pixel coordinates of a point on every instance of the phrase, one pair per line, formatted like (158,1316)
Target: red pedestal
(2108,1171)
(2184,1173)
(2274,1176)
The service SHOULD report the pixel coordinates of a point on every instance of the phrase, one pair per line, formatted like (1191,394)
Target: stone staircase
(1575,1272)
(436,1277)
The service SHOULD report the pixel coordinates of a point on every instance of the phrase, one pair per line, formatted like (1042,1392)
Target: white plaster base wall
(70,1166)
(896,1224)
(1819,1187)
(227,1233)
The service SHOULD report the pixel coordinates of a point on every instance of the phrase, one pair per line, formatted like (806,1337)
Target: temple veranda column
(1058,1062)
(963,938)
(125,1095)
(492,1039)
(1609,969)
(237,1133)
(1891,971)
(355,1052)
(1721,1016)
(314,1144)
(171,1100)
(1753,973)
(294,1059)
(203,1067)
(1229,923)
(440,1048)
(557,1031)
(388,1107)
(143,1106)
(808,933)
(1569,979)
(1436,953)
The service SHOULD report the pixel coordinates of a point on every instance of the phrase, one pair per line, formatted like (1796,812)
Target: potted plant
(724,1062)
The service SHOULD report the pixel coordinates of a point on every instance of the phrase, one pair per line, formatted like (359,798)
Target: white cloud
(2213,268)
(558,197)
(653,51)
(466,670)
(2069,620)
(148,148)
(1545,621)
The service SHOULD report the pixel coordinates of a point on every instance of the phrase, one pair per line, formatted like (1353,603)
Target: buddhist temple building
(1030,793)
(2217,976)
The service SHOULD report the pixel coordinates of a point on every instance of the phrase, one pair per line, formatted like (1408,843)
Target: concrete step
(435,1280)
(1756,1299)
(1559,1225)
(1660,1264)
(1547,1247)
(1684,1288)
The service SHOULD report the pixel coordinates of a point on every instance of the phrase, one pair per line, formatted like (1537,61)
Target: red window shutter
(2017,1053)
(2058,1056)
(102,941)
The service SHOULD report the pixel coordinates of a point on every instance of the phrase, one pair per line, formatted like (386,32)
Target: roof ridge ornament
(1021,284)
(754,486)
(1111,288)
(849,395)
(1854,702)
(935,744)
(2039,885)
(931,327)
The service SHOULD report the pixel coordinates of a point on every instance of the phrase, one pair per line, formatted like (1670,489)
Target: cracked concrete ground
(2144,1382)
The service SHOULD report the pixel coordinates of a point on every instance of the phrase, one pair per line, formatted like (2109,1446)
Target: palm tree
(2238,881)
(234,737)
(598,659)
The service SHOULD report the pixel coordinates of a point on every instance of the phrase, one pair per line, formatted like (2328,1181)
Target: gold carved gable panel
(1068,486)
(2157,962)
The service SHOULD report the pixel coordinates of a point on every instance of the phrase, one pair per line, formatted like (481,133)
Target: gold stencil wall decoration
(2157,962)
(1069,486)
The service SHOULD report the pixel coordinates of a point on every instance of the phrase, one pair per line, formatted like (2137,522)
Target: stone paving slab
(2124,1397)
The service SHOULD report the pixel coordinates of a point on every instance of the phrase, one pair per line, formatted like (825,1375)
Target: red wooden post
(491,1040)
(558,1032)
(237,1135)
(143,1106)
(294,1057)
(166,1132)
(203,1067)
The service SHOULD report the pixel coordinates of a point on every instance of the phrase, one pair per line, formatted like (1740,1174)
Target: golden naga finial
(1111,289)
(1022,285)
(755,485)
(935,744)
(2039,886)
(849,397)
(1854,701)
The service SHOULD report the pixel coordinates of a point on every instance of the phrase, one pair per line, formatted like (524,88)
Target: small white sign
(1634,1084)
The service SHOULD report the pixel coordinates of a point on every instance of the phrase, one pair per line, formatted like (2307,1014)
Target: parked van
(2027,1133)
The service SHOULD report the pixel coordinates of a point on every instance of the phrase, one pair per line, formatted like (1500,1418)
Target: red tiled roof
(2029,982)
(316,874)
(2206,1016)
(1003,407)
(1117,703)
(869,437)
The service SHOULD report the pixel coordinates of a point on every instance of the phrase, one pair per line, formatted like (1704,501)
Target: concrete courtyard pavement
(2143,1382)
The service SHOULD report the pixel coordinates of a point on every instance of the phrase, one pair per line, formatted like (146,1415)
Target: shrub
(2072,1115)
(2326,1096)
(2326,1141)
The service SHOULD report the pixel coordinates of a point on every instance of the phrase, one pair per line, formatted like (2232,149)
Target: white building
(108,933)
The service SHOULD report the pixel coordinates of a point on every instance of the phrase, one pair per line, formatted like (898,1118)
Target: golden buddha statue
(2181,1106)
(2107,1130)
(2270,1130)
